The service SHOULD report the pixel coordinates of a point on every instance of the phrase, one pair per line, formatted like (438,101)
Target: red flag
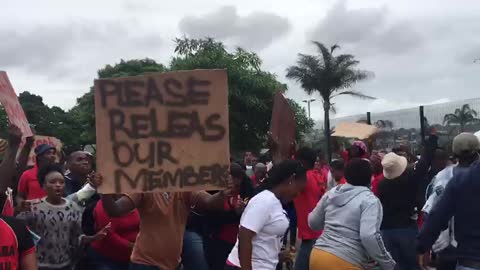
(8,209)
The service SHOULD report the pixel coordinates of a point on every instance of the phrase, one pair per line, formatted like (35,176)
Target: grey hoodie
(351,217)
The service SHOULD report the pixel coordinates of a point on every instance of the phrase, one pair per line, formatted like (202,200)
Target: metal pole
(369,118)
(422,124)
(309,117)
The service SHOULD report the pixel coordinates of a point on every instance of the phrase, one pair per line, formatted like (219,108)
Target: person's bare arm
(7,167)
(245,248)
(22,160)
(29,262)
(122,206)
(202,201)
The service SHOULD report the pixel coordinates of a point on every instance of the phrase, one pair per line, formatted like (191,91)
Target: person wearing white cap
(465,147)
(398,195)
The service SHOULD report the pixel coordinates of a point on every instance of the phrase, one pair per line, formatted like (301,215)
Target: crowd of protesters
(364,210)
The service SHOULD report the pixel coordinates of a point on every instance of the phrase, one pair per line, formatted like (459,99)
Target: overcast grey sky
(421,52)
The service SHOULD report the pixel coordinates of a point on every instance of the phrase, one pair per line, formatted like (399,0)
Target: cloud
(366,30)
(255,31)
(62,49)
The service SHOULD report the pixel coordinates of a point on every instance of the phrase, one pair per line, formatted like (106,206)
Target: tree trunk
(328,148)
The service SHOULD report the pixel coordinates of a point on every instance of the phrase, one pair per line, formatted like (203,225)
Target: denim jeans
(302,261)
(401,245)
(292,228)
(193,253)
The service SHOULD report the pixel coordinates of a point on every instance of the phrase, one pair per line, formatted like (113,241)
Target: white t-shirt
(265,216)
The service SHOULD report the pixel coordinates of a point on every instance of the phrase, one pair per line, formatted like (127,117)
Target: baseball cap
(43,148)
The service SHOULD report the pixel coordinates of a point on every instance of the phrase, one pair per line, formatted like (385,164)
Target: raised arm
(7,167)
(22,160)
(202,201)
(423,165)
(122,206)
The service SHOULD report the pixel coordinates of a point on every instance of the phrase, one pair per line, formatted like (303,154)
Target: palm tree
(330,76)
(461,117)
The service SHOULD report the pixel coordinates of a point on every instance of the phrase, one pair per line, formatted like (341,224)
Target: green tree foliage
(48,121)
(251,89)
(330,76)
(304,124)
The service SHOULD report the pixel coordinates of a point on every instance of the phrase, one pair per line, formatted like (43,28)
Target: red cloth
(344,155)
(342,181)
(376,180)
(30,186)
(229,232)
(420,220)
(306,201)
(254,180)
(8,210)
(124,230)
(15,243)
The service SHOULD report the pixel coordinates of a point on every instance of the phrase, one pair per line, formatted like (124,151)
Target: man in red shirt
(28,187)
(305,203)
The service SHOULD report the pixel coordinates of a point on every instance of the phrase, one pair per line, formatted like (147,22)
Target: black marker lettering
(150,154)
(141,124)
(195,95)
(164,151)
(122,158)
(109,88)
(172,87)
(189,177)
(153,94)
(133,183)
(117,122)
(134,97)
(179,124)
(173,180)
(219,130)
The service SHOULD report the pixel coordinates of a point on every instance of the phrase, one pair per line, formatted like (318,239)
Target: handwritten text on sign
(163,131)
(12,106)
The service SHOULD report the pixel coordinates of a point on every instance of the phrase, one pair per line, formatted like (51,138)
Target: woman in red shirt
(113,251)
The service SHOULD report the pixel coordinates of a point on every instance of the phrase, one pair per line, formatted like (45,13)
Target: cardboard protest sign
(42,140)
(12,106)
(282,128)
(354,130)
(163,132)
